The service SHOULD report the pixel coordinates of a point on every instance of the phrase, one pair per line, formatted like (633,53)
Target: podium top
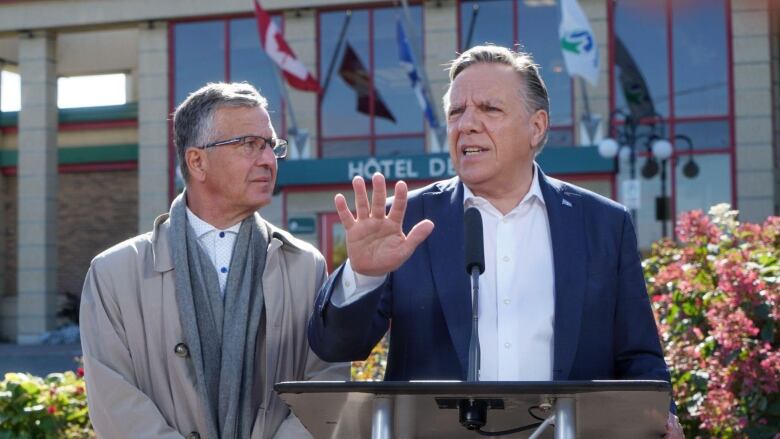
(464,388)
(426,409)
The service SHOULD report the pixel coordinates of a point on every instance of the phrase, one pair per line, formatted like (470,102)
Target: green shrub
(47,408)
(373,369)
(716,296)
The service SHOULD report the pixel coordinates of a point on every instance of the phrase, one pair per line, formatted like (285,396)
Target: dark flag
(632,82)
(354,74)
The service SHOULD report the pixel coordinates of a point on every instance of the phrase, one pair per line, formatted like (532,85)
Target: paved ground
(38,360)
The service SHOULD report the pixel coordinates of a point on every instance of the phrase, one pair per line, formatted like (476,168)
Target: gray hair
(193,119)
(534,92)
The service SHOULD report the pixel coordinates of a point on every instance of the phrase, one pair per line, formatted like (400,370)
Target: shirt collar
(535,191)
(202,227)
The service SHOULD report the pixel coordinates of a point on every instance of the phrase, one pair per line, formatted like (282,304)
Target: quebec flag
(407,62)
(578,44)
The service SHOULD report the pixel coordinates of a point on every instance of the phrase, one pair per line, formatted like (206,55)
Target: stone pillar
(756,192)
(153,112)
(598,97)
(441,44)
(300,31)
(37,181)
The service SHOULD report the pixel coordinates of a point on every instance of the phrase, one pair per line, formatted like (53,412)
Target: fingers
(361,197)
(379,196)
(417,235)
(673,428)
(399,203)
(347,220)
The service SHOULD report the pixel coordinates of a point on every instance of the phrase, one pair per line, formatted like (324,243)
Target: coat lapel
(446,249)
(567,233)
(162,259)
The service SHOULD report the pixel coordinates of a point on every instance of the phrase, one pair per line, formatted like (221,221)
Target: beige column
(755,176)
(37,180)
(153,112)
(441,44)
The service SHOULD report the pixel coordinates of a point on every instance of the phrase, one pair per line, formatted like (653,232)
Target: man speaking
(562,296)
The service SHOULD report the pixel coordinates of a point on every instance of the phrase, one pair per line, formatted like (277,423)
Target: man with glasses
(185,329)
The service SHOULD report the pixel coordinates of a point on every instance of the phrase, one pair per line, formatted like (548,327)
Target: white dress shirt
(516,291)
(218,245)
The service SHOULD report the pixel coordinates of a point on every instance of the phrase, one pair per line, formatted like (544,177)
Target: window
(92,91)
(533,26)
(224,50)
(368,106)
(72,91)
(641,27)
(679,51)
(198,57)
(11,92)
(700,61)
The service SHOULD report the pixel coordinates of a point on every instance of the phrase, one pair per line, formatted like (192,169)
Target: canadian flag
(279,51)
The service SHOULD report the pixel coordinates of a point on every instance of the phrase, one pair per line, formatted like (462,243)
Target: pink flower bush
(716,297)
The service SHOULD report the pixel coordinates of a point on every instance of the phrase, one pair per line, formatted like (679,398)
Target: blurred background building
(86,157)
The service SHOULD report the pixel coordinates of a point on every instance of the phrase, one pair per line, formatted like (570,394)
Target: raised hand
(376,244)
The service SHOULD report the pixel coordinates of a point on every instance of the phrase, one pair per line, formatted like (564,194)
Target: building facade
(700,73)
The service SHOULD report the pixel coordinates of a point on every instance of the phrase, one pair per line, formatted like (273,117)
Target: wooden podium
(429,409)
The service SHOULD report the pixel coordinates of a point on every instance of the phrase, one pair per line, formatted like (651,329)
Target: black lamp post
(658,149)
(663,149)
(624,146)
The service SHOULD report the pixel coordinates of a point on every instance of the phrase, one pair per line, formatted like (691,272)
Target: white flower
(722,215)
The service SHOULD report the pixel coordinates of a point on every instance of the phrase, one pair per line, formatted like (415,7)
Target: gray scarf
(222,349)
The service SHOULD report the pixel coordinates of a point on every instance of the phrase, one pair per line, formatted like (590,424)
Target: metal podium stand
(428,409)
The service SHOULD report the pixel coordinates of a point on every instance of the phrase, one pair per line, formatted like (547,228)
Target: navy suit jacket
(603,324)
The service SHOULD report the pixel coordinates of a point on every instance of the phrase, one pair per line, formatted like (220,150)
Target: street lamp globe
(662,149)
(608,148)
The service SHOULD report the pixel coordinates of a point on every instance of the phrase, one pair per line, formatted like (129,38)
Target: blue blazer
(603,325)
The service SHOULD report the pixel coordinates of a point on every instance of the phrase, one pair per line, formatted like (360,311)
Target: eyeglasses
(253,146)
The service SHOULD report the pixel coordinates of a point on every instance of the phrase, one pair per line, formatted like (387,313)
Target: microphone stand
(474,352)
(473,412)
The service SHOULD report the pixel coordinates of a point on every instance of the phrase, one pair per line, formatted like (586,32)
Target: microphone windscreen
(475,249)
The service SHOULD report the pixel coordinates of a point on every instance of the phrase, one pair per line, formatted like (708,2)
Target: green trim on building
(90,114)
(554,161)
(81,155)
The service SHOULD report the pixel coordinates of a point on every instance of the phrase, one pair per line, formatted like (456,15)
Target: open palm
(376,243)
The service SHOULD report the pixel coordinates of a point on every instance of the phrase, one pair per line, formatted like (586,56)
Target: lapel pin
(566,203)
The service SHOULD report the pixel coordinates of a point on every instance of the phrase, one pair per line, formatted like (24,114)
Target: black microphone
(475,265)
(475,249)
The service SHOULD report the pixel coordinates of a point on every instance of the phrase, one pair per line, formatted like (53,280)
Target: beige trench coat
(137,385)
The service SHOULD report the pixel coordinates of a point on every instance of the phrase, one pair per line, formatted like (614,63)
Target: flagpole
(587,118)
(438,134)
(339,42)
(300,137)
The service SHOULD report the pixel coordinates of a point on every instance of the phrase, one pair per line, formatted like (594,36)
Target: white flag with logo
(578,44)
